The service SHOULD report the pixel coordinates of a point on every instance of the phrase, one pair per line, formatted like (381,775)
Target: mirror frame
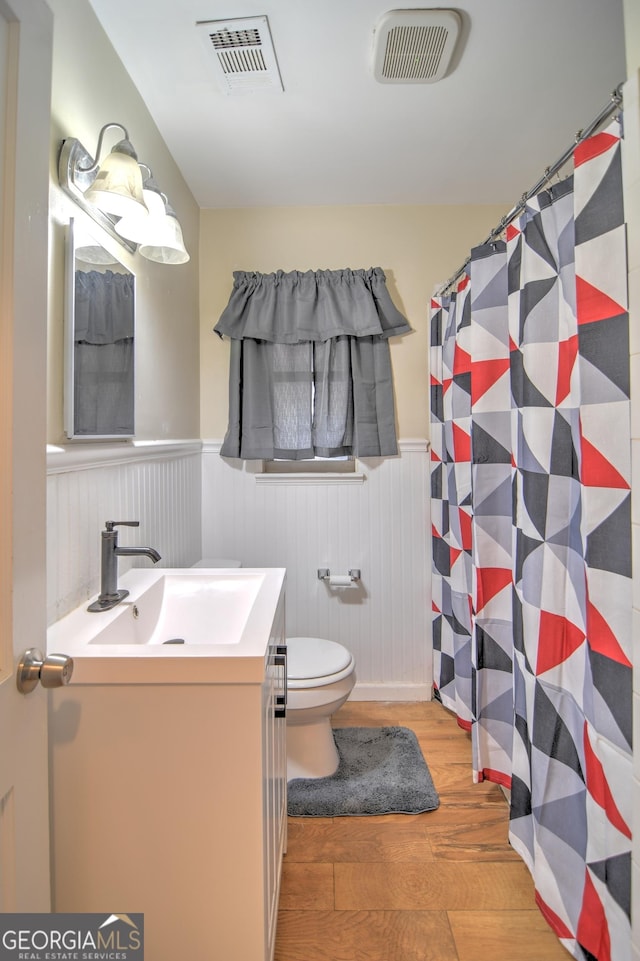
(71,256)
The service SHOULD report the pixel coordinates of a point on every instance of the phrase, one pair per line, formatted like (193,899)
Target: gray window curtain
(310,369)
(103,353)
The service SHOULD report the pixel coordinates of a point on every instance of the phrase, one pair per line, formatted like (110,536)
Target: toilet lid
(310,657)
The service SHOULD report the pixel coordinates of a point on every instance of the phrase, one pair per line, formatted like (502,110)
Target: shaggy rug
(381,771)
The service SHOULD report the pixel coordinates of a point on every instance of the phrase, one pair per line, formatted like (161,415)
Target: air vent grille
(415,46)
(413,53)
(242,61)
(230,39)
(242,54)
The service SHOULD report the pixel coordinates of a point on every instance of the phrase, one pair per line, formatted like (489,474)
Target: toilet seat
(316,662)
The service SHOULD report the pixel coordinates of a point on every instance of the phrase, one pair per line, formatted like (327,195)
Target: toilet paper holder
(324,573)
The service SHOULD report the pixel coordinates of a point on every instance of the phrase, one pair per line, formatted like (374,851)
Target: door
(26,28)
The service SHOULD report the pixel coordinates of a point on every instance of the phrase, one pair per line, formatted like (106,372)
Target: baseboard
(390,692)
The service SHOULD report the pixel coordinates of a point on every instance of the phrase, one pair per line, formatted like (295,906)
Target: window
(318,465)
(310,368)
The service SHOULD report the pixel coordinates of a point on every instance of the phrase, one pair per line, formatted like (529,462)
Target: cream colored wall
(92,88)
(632,34)
(418,247)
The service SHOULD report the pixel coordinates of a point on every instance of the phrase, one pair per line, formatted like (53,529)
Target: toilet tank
(218,562)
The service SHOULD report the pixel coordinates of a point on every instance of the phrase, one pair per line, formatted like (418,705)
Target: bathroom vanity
(168,762)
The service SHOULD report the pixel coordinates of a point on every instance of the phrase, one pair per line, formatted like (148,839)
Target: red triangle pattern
(434,381)
(602,639)
(512,232)
(465,529)
(567,353)
(489,582)
(435,304)
(558,638)
(596,470)
(598,787)
(461,361)
(461,444)
(435,608)
(454,554)
(593,147)
(593,931)
(593,304)
(484,374)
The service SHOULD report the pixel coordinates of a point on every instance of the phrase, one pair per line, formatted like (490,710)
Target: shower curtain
(531,539)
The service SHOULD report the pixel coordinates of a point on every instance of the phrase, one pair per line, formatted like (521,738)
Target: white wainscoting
(380,525)
(156,484)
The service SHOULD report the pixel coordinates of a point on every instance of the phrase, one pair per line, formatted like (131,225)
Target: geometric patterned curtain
(451,494)
(492,634)
(541,447)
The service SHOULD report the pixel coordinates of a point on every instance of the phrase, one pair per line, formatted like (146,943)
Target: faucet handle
(109,525)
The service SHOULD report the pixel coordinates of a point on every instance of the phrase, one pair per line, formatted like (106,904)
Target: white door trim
(25,144)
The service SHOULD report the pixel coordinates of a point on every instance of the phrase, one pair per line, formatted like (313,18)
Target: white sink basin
(185,609)
(185,625)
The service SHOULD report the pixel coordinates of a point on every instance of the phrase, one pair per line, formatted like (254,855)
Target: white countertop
(239,660)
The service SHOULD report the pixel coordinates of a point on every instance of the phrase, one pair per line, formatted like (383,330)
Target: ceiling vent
(415,46)
(242,54)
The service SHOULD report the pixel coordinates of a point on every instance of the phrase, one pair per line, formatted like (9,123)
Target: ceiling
(527,74)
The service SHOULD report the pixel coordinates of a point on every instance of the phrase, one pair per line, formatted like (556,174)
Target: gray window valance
(104,311)
(303,306)
(310,368)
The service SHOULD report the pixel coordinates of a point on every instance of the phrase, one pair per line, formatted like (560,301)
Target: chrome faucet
(109,594)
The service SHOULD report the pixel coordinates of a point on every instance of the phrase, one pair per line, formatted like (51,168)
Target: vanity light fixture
(104,191)
(114,195)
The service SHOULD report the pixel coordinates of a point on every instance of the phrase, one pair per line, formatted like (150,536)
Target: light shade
(166,245)
(117,188)
(141,229)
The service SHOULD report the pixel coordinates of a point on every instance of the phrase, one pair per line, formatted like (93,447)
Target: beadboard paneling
(380,525)
(158,486)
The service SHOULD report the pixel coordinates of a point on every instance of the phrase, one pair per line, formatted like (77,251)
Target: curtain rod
(605,113)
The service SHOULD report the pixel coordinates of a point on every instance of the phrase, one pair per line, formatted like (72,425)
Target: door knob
(54,670)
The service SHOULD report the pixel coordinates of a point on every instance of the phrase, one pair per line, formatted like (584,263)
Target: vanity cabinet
(169,799)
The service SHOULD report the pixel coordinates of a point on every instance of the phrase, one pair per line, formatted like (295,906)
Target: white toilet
(320,678)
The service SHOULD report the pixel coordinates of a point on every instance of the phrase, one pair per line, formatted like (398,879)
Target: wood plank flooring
(440,886)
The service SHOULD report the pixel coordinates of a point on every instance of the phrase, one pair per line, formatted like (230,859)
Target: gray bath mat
(381,771)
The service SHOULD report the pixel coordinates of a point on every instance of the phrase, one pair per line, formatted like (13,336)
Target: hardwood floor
(440,886)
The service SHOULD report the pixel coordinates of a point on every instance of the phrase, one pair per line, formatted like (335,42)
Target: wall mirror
(99,340)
